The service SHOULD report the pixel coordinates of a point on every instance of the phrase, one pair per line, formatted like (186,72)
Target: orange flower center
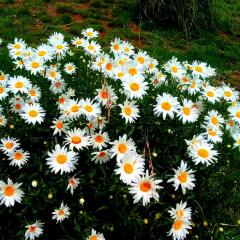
(93,237)
(32,92)
(1,89)
(18,155)
(186,110)
(59,125)
(18,106)
(182,177)
(215,120)
(61,159)
(141,60)
(203,153)
(9,145)
(9,190)
(104,94)
(61,212)
(99,139)
(76,140)
(210,93)
(177,224)
(75,108)
(228,93)
(19,84)
(101,154)
(128,168)
(132,71)
(116,47)
(238,114)
(35,65)
(134,86)
(166,106)
(145,186)
(122,148)
(32,229)
(2,77)
(128,111)
(109,66)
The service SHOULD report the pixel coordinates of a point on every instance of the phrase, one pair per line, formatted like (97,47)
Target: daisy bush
(96,140)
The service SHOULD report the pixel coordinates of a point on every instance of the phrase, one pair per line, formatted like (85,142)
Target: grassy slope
(35,20)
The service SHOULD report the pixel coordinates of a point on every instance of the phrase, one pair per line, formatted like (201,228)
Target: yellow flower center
(186,110)
(214,120)
(88,108)
(228,93)
(210,94)
(141,60)
(75,108)
(33,113)
(134,86)
(174,69)
(238,114)
(199,69)
(179,213)
(42,53)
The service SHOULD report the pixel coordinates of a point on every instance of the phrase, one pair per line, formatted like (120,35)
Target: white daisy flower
(145,188)
(18,157)
(77,139)
(18,84)
(166,105)
(59,126)
(8,145)
(180,229)
(181,211)
(61,160)
(33,113)
(130,167)
(183,177)
(34,65)
(89,33)
(122,146)
(129,111)
(70,68)
(90,109)
(202,152)
(61,213)
(34,230)
(187,112)
(72,184)
(135,87)
(100,140)
(10,193)
(95,236)
(102,156)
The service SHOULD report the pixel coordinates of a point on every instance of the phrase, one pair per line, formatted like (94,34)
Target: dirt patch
(77,18)
(51,10)
(134,28)
(234,77)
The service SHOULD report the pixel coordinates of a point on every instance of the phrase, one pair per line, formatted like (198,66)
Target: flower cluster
(181,91)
